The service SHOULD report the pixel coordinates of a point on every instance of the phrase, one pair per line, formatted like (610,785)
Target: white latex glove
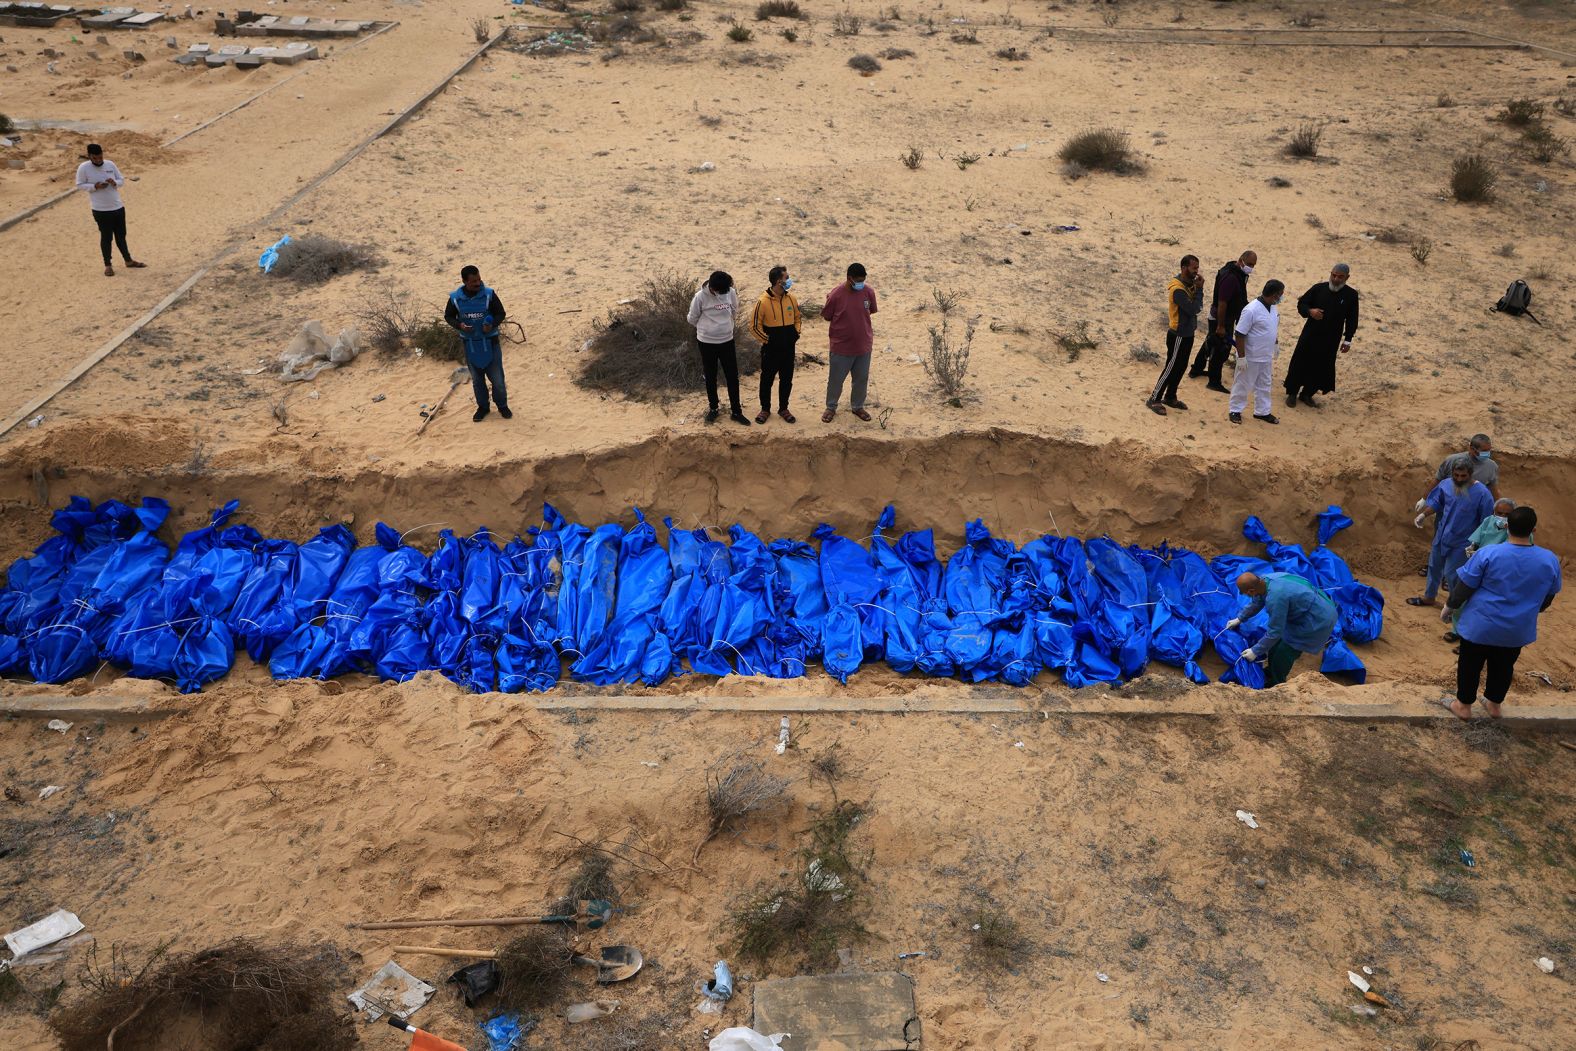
(1445,615)
(1471,550)
(1249,655)
(1419,520)
(1421,503)
(1233,624)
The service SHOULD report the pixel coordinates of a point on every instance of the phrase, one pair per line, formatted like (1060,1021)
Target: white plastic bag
(742,1038)
(310,344)
(346,347)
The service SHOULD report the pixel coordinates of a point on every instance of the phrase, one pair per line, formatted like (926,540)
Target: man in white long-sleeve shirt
(1257,330)
(101,181)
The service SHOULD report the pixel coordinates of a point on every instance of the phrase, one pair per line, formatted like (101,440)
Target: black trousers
(777,357)
(712,355)
(1212,355)
(112,225)
(1501,661)
(1177,350)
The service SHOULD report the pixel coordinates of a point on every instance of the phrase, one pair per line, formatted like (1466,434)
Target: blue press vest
(472,310)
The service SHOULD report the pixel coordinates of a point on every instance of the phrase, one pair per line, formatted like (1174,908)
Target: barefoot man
(1499,594)
(1302,619)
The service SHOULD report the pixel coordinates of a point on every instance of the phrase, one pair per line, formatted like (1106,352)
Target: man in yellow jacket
(776,322)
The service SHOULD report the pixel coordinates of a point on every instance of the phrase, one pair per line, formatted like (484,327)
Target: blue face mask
(1476,456)
(1499,521)
(787,283)
(859,286)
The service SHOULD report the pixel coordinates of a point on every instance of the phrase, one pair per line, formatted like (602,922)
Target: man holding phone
(101,181)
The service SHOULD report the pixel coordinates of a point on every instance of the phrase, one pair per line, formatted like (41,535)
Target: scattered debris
(716,990)
(52,928)
(392,990)
(1247,819)
(1468,859)
(36,420)
(1545,965)
(912,955)
(45,793)
(592,1009)
(1102,976)
(59,725)
(782,736)
(1358,980)
(742,1038)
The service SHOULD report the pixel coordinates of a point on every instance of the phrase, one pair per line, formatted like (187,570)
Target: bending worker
(1301,620)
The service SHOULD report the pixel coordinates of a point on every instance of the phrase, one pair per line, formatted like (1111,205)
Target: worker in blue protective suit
(1301,620)
(1460,504)
(475,313)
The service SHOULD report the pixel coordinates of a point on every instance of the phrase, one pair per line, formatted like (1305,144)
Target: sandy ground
(569,180)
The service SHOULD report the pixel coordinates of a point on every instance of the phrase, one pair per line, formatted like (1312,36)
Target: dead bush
(236,996)
(534,968)
(672,5)
(912,158)
(1518,113)
(778,9)
(815,910)
(626,29)
(844,24)
(1076,340)
(7,125)
(1101,149)
(1012,54)
(645,350)
(864,64)
(391,324)
(995,941)
(1305,141)
(1542,144)
(626,6)
(892,54)
(1473,178)
(966,35)
(741,34)
(947,364)
(1421,249)
(314,258)
(481,30)
(744,789)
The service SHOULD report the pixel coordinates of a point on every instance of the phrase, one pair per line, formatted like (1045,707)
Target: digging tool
(590,915)
(619,963)
(459,376)
(421,1039)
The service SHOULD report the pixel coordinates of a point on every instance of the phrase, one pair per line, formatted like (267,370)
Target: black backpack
(1517,300)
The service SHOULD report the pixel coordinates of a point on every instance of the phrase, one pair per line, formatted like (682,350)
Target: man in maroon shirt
(847,314)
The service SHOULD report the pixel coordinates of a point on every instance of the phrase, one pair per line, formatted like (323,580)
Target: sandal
(1415,601)
(787,416)
(1447,704)
(762,416)
(136,265)
(1451,636)
(828,415)
(862,414)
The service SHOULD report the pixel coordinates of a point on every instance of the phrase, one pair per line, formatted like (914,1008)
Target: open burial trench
(1021,485)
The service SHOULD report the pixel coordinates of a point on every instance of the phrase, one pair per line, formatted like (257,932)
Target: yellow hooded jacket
(775,312)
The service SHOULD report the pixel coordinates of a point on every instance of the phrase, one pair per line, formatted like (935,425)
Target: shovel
(459,376)
(618,963)
(592,915)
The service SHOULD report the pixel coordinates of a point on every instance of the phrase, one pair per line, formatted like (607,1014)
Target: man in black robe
(1331,310)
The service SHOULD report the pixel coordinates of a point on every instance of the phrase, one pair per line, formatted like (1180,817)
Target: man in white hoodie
(713,312)
(101,180)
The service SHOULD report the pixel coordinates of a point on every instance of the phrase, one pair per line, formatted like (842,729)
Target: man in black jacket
(1226,303)
(1331,309)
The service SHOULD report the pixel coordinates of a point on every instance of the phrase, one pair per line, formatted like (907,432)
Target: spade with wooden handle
(591,915)
(618,963)
(459,376)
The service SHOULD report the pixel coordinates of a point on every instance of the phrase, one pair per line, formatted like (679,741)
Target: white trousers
(1253,377)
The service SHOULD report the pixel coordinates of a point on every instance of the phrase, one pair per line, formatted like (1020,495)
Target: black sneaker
(1212,385)
(739,417)
(1291,401)
(503,410)
(481,414)
(1268,418)
(712,414)
(1235,417)
(1307,399)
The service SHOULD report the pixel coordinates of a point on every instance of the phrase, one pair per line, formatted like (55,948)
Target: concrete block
(215,61)
(198,49)
(248,61)
(223,27)
(102,39)
(146,18)
(170,43)
(251,29)
(840,1012)
(187,59)
(287,58)
(16,164)
(133,55)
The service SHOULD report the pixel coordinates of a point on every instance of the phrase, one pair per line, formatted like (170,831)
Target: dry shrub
(864,64)
(626,6)
(1305,141)
(1077,340)
(892,54)
(1473,178)
(745,789)
(1012,54)
(1101,149)
(390,324)
(778,9)
(593,879)
(7,125)
(534,968)
(1519,113)
(236,996)
(645,350)
(480,30)
(625,29)
(1422,248)
(672,5)
(912,158)
(995,941)
(314,258)
(741,34)
(1542,144)
(966,35)
(815,910)
(947,364)
(846,24)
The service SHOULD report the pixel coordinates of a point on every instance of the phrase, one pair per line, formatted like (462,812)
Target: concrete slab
(840,1012)
(81,709)
(248,61)
(147,18)
(107,20)
(214,61)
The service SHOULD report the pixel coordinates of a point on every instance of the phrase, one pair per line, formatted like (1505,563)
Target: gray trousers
(838,368)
